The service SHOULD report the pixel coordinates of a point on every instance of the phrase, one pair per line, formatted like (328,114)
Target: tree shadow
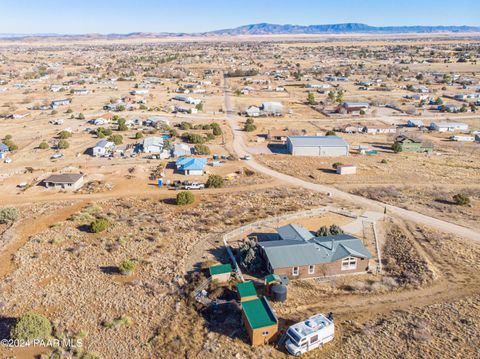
(110,270)
(84,228)
(444,201)
(6,324)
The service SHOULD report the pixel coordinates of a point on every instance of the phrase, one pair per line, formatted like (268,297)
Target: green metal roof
(272,278)
(220,269)
(246,289)
(258,313)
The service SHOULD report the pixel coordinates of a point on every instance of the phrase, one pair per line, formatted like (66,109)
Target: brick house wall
(323,270)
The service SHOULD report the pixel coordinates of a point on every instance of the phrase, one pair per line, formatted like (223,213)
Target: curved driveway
(241,149)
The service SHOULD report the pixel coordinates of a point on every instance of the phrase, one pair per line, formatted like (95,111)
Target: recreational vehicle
(309,334)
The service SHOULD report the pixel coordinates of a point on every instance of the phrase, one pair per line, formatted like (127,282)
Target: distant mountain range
(274,29)
(267,29)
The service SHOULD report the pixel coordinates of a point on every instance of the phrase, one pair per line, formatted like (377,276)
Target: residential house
(379,129)
(191,166)
(415,123)
(253,111)
(353,107)
(139,92)
(103,148)
(152,145)
(272,108)
(155,121)
(317,146)
(448,126)
(81,92)
(410,144)
(65,181)
(57,103)
(278,135)
(300,254)
(181,150)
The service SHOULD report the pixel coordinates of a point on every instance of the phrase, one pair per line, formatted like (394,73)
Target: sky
(125,16)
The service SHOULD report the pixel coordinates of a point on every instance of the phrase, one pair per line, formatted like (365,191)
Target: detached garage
(317,146)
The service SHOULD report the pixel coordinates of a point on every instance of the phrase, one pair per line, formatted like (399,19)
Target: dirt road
(241,149)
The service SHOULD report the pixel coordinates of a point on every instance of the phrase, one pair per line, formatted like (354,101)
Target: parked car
(56,155)
(195,186)
(8,160)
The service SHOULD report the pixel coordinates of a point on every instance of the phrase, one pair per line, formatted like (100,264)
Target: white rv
(309,334)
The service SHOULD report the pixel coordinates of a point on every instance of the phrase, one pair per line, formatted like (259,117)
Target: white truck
(309,334)
(195,185)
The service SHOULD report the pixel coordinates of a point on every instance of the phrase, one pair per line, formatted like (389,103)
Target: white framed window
(349,263)
(311,269)
(295,271)
(265,333)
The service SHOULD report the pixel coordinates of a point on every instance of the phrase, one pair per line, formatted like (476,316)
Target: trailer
(309,334)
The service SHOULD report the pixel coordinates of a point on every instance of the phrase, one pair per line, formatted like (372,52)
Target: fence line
(272,220)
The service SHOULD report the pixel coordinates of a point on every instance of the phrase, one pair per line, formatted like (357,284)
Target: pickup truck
(195,186)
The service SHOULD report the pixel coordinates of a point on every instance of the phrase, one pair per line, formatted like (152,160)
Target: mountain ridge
(271,29)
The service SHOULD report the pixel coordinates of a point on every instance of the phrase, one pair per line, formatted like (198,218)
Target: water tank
(279,293)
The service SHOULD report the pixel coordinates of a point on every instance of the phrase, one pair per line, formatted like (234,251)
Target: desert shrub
(81,116)
(330,133)
(396,147)
(138,135)
(63,144)
(214,181)
(194,138)
(249,127)
(461,199)
(9,215)
(103,132)
(127,266)
(185,125)
(122,321)
(185,197)
(64,135)
(216,130)
(31,326)
(12,146)
(116,139)
(99,225)
(202,149)
(336,164)
(43,145)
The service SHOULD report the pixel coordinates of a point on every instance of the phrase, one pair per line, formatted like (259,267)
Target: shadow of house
(278,148)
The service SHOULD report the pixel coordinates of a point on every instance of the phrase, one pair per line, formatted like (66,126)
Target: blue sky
(123,16)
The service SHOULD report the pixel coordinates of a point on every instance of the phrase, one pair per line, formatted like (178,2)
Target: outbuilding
(65,181)
(346,169)
(220,273)
(317,146)
(260,320)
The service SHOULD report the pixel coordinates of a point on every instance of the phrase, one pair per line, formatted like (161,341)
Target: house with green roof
(300,254)
(221,272)
(260,320)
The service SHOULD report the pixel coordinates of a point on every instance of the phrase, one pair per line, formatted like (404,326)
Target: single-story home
(278,135)
(103,148)
(181,150)
(300,254)
(448,126)
(353,107)
(317,146)
(191,166)
(152,144)
(379,129)
(410,144)
(415,123)
(56,103)
(253,111)
(65,181)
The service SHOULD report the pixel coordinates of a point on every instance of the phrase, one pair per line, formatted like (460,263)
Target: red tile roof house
(299,254)
(65,181)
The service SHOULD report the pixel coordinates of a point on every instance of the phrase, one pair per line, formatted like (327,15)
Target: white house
(152,145)
(102,148)
(448,126)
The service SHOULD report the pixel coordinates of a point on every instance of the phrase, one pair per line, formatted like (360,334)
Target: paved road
(241,149)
